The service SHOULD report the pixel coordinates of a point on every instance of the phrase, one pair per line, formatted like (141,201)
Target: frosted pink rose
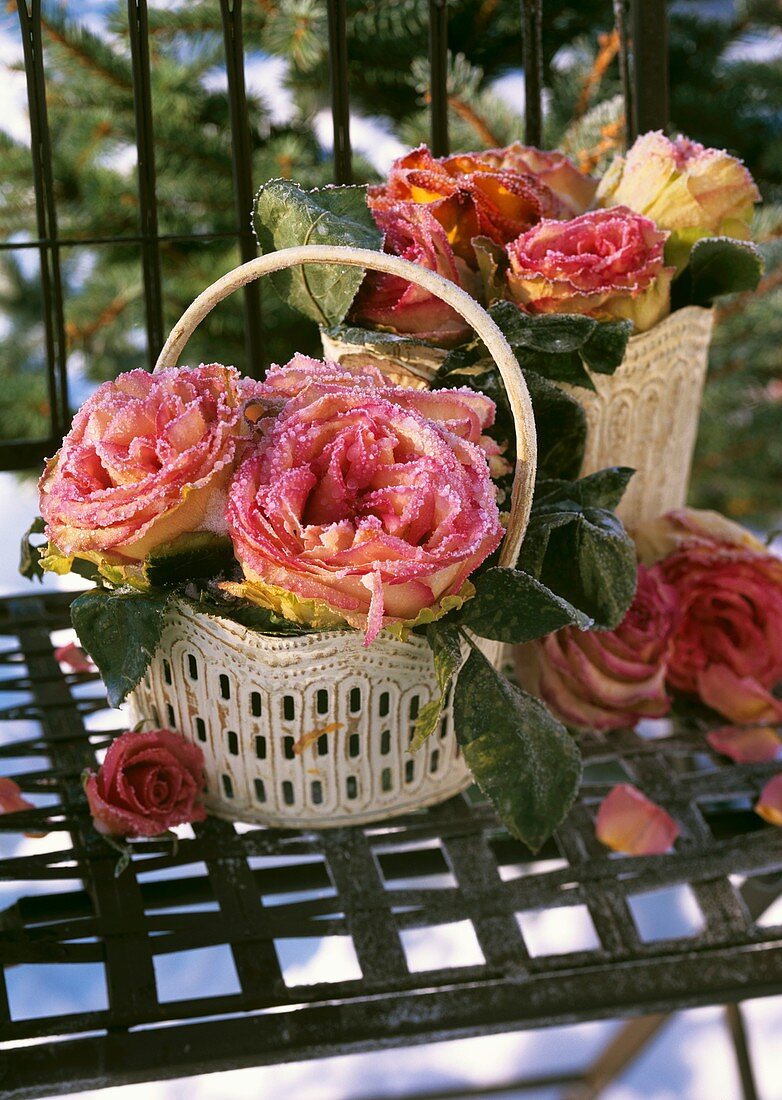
(469,196)
(148,458)
(363,505)
(611,678)
(148,783)
(727,647)
(414,234)
(574,188)
(606,264)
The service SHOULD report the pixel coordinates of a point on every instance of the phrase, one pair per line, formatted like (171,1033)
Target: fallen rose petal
(11,798)
(740,698)
(629,822)
(750,745)
(74,657)
(769,805)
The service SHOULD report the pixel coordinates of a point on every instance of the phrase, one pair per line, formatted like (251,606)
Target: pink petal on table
(74,657)
(11,797)
(629,822)
(769,805)
(748,745)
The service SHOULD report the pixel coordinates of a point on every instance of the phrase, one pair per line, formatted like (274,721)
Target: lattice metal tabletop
(383,893)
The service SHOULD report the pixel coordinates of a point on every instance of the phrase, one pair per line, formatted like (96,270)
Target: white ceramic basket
(314,730)
(645,415)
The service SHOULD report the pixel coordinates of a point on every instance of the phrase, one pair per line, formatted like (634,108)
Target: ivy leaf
(521,757)
(718,265)
(511,606)
(29,557)
(120,631)
(446,650)
(284,215)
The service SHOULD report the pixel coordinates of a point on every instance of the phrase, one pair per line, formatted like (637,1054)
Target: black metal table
(249,888)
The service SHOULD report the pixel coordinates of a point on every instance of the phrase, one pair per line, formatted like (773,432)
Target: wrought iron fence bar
(145,144)
(438,76)
(74,242)
(649,52)
(46,215)
(241,159)
(620,22)
(532,45)
(22,454)
(338,80)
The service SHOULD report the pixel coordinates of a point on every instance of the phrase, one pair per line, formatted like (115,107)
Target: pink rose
(414,234)
(574,188)
(469,196)
(606,264)
(148,458)
(148,783)
(727,646)
(363,505)
(611,678)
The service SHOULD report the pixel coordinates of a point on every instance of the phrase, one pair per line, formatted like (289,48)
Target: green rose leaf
(352,334)
(560,423)
(29,556)
(511,606)
(521,757)
(585,555)
(718,265)
(605,349)
(447,653)
(285,215)
(603,489)
(194,555)
(120,631)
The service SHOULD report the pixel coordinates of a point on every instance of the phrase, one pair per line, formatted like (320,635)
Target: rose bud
(684,187)
(148,783)
(607,679)
(769,805)
(148,458)
(727,646)
(469,197)
(388,301)
(606,264)
(574,188)
(629,822)
(357,508)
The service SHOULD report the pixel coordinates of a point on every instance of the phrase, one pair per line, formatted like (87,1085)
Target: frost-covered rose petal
(469,196)
(727,647)
(746,745)
(683,187)
(149,782)
(363,507)
(605,263)
(413,233)
(574,188)
(612,678)
(769,805)
(147,459)
(629,822)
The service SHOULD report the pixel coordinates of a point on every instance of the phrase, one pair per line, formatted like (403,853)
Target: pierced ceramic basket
(645,415)
(314,730)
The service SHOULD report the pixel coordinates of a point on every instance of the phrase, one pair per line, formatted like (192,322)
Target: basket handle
(458,299)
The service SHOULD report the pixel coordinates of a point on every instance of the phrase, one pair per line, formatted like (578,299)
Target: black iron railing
(643,67)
